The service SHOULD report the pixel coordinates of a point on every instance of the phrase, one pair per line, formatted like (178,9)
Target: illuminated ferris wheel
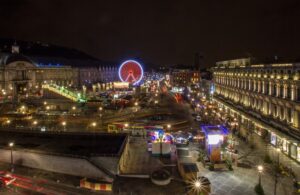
(131,71)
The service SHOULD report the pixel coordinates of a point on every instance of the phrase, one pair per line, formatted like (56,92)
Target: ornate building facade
(264,98)
(23,75)
(20,75)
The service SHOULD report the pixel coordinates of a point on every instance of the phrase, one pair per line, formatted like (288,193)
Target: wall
(59,164)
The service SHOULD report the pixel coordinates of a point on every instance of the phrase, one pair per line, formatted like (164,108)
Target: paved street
(243,180)
(140,160)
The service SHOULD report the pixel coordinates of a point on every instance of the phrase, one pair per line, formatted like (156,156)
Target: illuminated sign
(214,139)
(131,71)
(121,85)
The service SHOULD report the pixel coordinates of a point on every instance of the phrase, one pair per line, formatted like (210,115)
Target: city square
(141,98)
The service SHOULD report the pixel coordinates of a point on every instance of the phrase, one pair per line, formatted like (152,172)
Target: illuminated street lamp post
(260,169)
(197,184)
(156,102)
(11,145)
(136,106)
(169,127)
(100,110)
(34,123)
(64,125)
(93,125)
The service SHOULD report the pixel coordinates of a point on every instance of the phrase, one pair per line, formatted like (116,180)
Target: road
(28,185)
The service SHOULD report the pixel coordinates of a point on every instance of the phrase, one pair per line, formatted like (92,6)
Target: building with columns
(97,74)
(23,75)
(20,75)
(264,97)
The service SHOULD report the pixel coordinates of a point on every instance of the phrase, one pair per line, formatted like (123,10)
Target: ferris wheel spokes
(130,74)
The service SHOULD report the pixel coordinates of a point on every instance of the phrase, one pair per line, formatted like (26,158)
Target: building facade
(184,77)
(264,98)
(24,75)
(19,75)
(98,74)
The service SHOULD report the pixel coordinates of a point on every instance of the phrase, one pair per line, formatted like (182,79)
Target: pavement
(139,160)
(243,180)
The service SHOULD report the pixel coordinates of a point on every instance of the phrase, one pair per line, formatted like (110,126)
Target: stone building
(181,77)
(97,74)
(264,97)
(23,74)
(20,75)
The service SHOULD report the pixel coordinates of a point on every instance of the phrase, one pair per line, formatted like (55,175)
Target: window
(288,92)
(281,91)
(274,89)
(289,114)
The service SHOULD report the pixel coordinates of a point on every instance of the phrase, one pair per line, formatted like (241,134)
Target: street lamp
(94,124)
(34,122)
(168,126)
(73,108)
(11,145)
(260,168)
(197,184)
(64,123)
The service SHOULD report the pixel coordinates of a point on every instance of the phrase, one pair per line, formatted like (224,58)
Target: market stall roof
(214,130)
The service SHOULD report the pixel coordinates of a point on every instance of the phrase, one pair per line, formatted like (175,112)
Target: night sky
(160,32)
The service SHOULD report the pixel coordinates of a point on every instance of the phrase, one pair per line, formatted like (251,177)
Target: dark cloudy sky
(159,32)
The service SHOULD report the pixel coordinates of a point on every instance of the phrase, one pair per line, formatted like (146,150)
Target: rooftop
(213,130)
(190,167)
(78,144)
